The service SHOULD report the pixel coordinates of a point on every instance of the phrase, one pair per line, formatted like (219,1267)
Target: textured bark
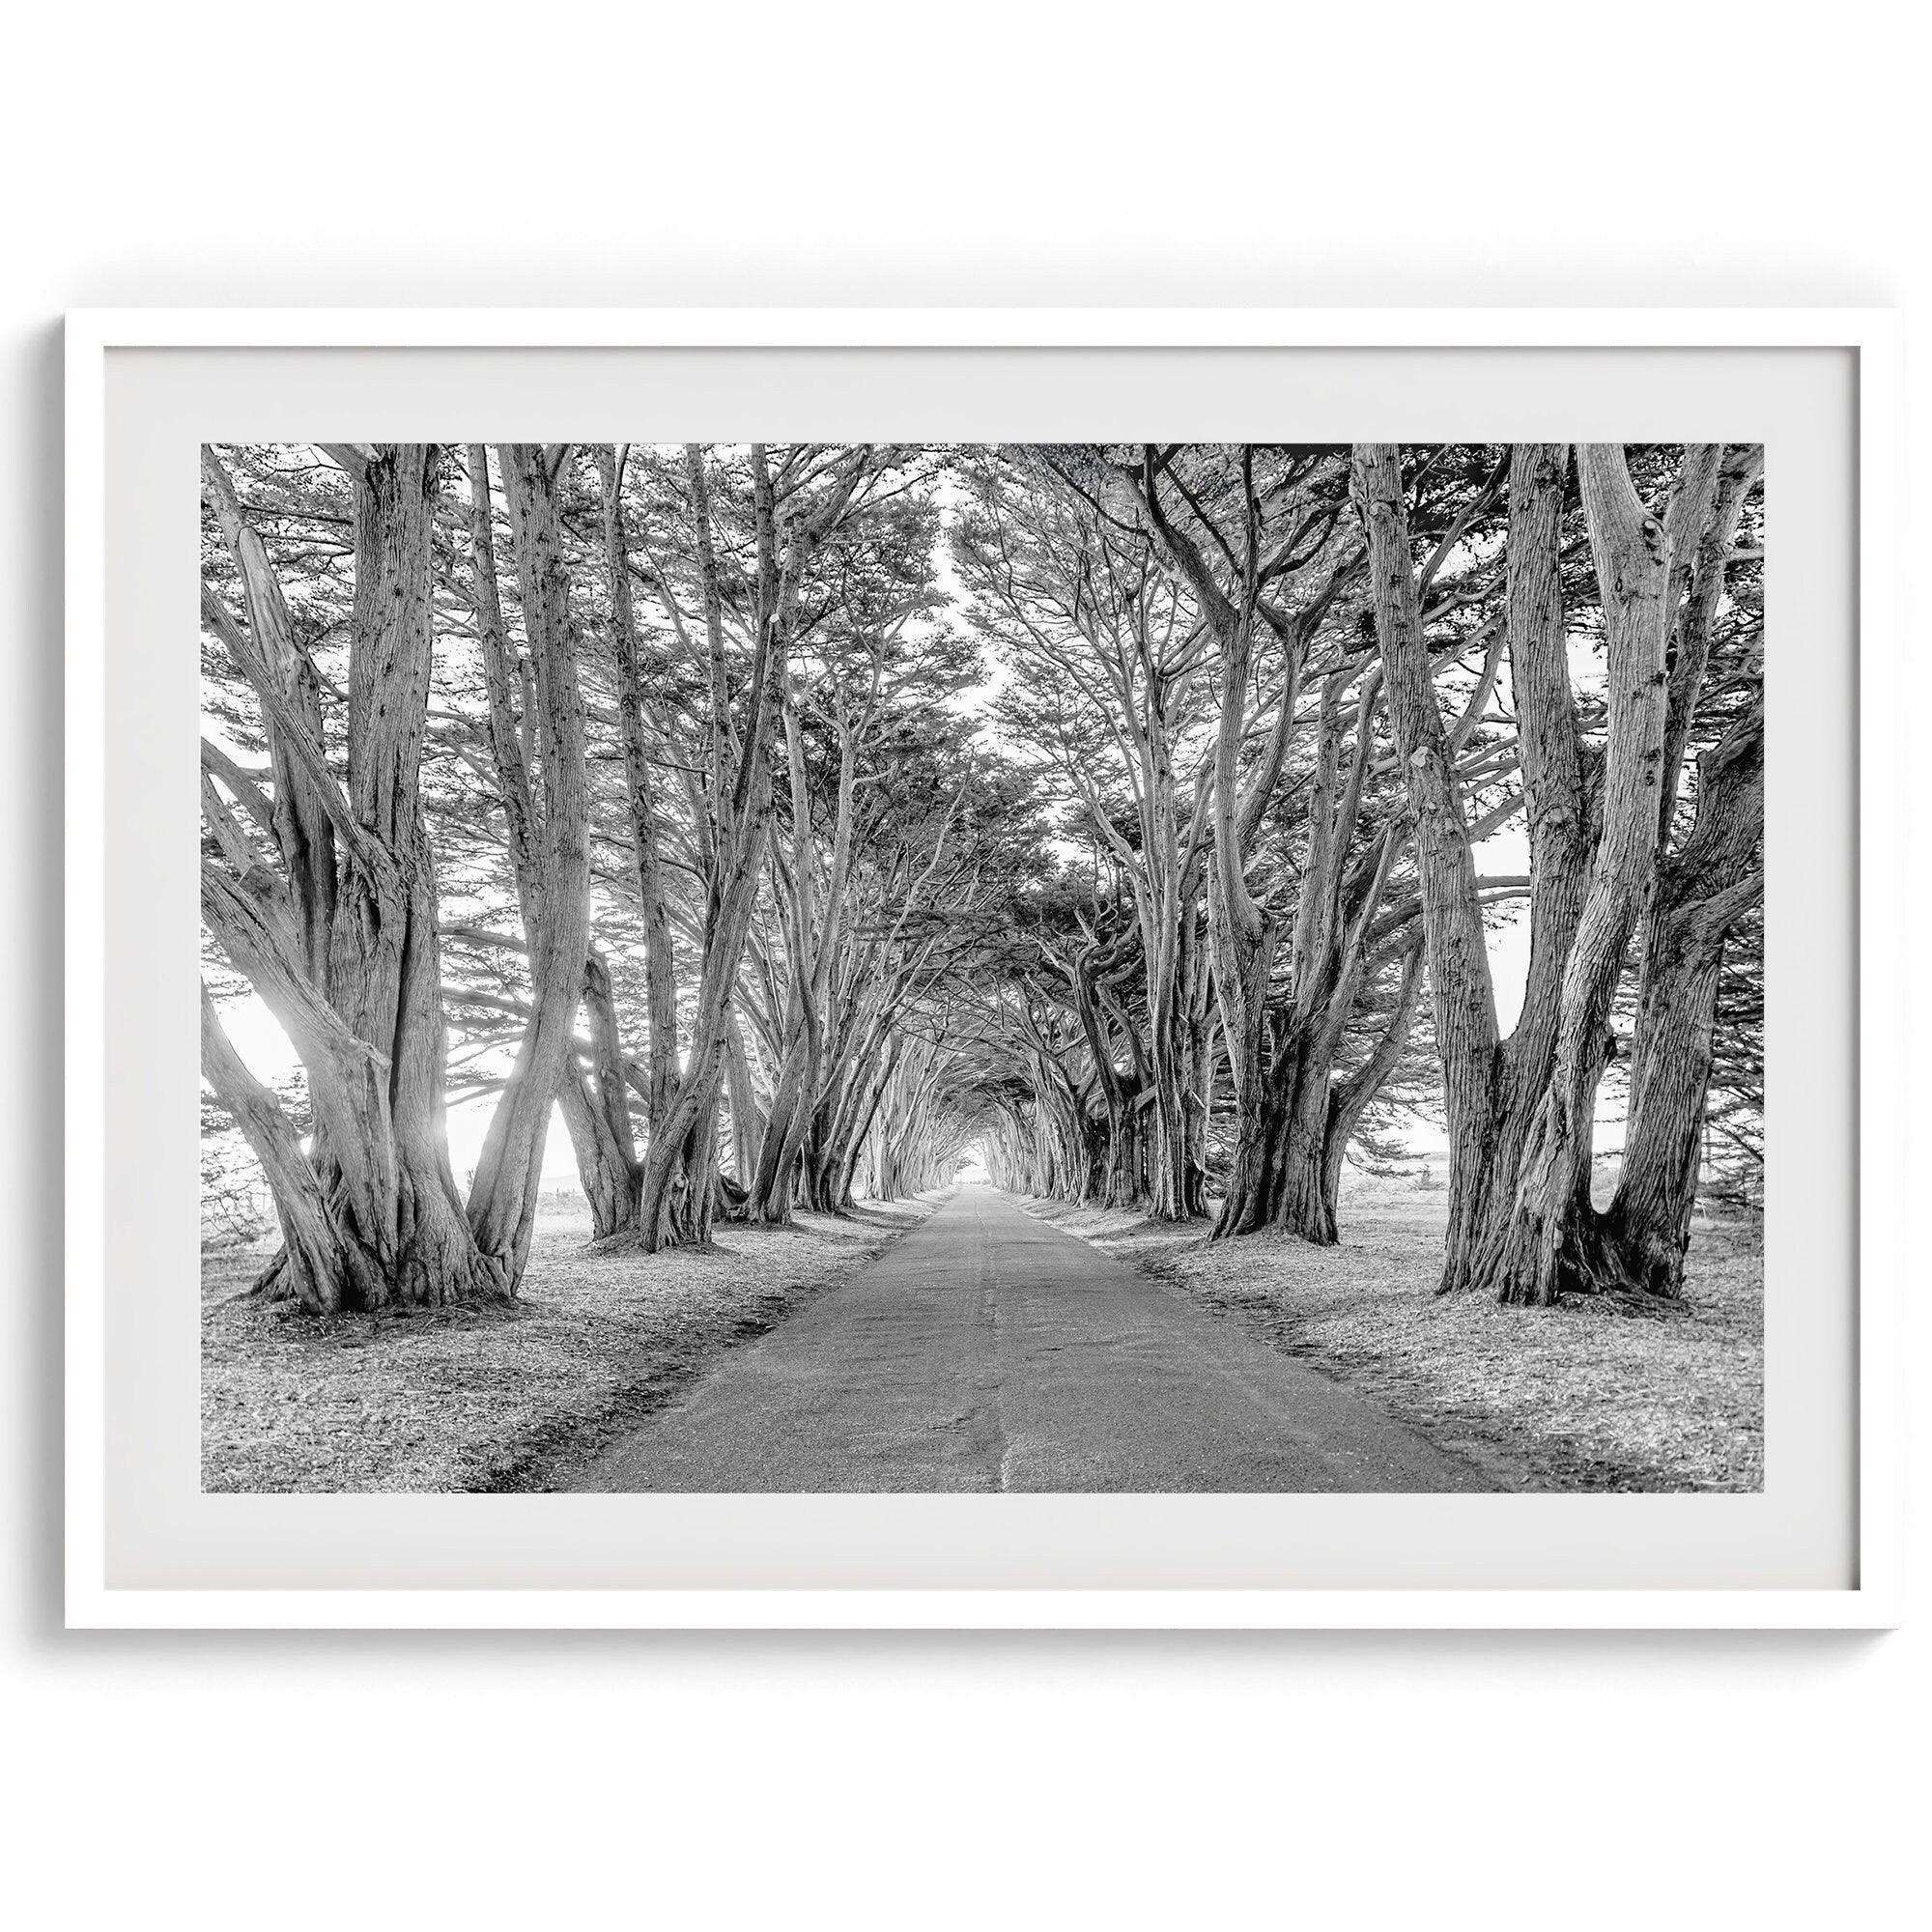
(810,941)
(1332,957)
(316,1264)
(366,1019)
(1521,1111)
(282,672)
(1177,1027)
(594,1100)
(680,1189)
(1452,920)
(1699,893)
(1703,891)
(1536,1250)
(1558,824)
(1241,936)
(509,1172)
(748,1120)
(835,1173)
(660,964)
(1282,1063)
(679,1185)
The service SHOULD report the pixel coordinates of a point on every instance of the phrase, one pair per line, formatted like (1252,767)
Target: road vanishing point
(988,1350)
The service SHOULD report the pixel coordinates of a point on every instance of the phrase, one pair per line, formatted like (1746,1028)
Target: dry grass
(494,1399)
(1573,1398)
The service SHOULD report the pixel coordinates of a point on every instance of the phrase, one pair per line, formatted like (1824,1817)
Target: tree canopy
(793,819)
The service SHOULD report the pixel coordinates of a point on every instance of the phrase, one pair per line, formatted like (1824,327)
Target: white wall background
(1202,153)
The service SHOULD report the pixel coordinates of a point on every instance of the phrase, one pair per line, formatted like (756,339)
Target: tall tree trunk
(680,1182)
(748,1120)
(316,1265)
(1701,894)
(679,1185)
(660,966)
(1351,1099)
(608,1182)
(1539,1248)
(1646,1233)
(1452,920)
(509,1172)
(1304,1205)
(595,1103)
(1521,1114)
(367,1025)
(1278,1064)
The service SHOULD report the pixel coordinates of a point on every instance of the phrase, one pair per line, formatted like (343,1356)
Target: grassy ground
(487,1399)
(1573,1398)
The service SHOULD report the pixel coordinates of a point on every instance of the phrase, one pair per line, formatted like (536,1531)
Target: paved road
(988,1350)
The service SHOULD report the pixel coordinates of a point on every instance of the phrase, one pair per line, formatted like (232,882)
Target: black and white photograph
(964,968)
(865,966)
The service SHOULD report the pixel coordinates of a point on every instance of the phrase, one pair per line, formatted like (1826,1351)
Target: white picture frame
(94,1600)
